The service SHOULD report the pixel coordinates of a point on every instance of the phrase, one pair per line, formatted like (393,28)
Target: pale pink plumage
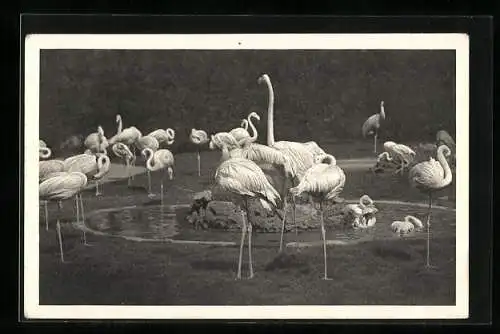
(128,136)
(93,166)
(198,137)
(147,142)
(242,135)
(47,167)
(61,186)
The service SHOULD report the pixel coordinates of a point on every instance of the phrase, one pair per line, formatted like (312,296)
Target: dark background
(319,95)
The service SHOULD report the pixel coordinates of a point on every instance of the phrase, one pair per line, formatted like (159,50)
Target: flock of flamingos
(273,174)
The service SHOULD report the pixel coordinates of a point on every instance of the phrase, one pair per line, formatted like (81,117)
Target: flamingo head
(325,158)
(212,145)
(244,124)
(118,118)
(388,145)
(146,153)
(254,115)
(445,150)
(263,78)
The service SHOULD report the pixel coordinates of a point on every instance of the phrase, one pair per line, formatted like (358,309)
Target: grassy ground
(117,271)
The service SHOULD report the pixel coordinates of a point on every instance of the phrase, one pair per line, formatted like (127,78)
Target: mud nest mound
(222,214)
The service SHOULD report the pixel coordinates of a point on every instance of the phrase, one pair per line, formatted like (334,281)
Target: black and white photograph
(246,176)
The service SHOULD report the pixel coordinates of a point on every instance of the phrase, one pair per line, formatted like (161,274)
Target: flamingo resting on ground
(402,154)
(324,181)
(243,178)
(163,136)
(122,151)
(43,150)
(300,156)
(372,125)
(198,137)
(161,159)
(407,226)
(59,187)
(363,212)
(429,177)
(45,169)
(96,142)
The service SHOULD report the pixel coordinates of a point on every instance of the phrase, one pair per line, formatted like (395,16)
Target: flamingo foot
(327,279)
(88,244)
(430,267)
(251,276)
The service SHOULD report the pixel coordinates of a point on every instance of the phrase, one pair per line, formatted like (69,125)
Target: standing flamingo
(163,136)
(198,137)
(45,168)
(127,136)
(429,177)
(96,142)
(241,134)
(122,151)
(243,178)
(161,159)
(93,166)
(324,181)
(61,187)
(44,151)
(300,156)
(151,143)
(372,125)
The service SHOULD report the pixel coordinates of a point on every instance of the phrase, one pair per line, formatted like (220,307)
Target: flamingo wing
(427,175)
(370,125)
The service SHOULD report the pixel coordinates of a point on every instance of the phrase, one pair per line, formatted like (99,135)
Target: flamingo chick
(161,159)
(243,178)
(429,177)
(61,187)
(323,181)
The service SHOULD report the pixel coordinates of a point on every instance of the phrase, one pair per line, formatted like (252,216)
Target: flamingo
(163,136)
(300,156)
(241,134)
(96,142)
(59,187)
(45,169)
(93,166)
(44,151)
(243,178)
(404,154)
(122,151)
(324,181)
(372,125)
(161,159)
(406,226)
(127,136)
(429,177)
(444,138)
(363,212)
(151,143)
(198,137)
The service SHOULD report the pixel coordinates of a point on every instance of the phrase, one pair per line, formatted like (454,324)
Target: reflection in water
(154,222)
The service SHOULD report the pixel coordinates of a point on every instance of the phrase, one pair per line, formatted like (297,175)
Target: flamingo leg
(59,236)
(323,234)
(128,172)
(375,143)
(249,230)
(149,184)
(199,163)
(161,193)
(97,193)
(83,221)
(46,217)
(243,232)
(77,209)
(283,222)
(428,265)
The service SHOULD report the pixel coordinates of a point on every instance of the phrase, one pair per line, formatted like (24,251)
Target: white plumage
(323,181)
(93,166)
(61,186)
(401,154)
(163,136)
(147,142)
(409,224)
(43,150)
(430,176)
(96,142)
(241,134)
(244,178)
(157,160)
(198,137)
(123,152)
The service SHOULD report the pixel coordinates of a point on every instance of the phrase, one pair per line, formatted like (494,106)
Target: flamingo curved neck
(254,136)
(120,125)
(444,163)
(244,124)
(45,152)
(150,163)
(382,112)
(270,114)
